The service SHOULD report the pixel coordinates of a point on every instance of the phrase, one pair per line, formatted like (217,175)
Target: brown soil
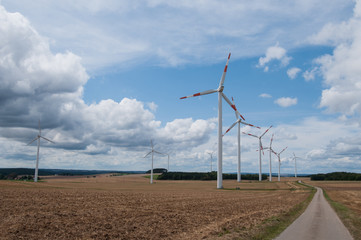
(128,207)
(345,192)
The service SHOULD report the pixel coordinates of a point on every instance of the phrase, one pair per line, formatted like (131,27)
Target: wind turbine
(270,159)
(37,155)
(211,155)
(239,121)
(295,158)
(279,162)
(152,152)
(220,95)
(168,160)
(260,149)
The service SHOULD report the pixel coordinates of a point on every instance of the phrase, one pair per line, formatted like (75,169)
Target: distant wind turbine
(37,155)
(219,90)
(239,121)
(211,155)
(279,162)
(260,150)
(270,159)
(295,158)
(152,152)
(168,154)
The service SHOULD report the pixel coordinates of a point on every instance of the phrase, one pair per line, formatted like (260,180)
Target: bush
(26,178)
(158,170)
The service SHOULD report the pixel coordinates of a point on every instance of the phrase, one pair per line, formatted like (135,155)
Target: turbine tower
(295,158)
(239,121)
(168,154)
(211,155)
(37,155)
(270,159)
(279,162)
(219,90)
(260,149)
(152,152)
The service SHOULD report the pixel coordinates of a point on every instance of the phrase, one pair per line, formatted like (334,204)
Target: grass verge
(275,225)
(155,177)
(351,220)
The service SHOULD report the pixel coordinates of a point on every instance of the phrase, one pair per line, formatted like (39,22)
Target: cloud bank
(128,33)
(36,84)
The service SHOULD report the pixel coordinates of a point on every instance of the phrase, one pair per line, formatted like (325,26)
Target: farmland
(346,198)
(128,207)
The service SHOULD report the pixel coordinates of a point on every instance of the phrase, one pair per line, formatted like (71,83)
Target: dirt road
(319,221)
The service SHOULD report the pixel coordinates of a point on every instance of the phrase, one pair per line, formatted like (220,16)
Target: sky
(105,77)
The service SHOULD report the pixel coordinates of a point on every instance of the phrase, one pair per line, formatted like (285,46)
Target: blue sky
(105,77)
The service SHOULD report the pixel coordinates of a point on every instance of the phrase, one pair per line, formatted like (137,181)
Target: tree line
(205,176)
(337,176)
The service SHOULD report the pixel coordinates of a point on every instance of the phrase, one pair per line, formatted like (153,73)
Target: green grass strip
(155,177)
(349,218)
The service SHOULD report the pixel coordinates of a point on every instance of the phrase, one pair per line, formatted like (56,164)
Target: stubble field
(348,193)
(128,207)
(345,192)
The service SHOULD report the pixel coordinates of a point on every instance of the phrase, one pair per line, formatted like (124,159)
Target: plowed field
(347,193)
(128,207)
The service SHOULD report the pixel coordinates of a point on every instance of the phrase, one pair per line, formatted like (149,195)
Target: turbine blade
(230,127)
(248,124)
(232,105)
(159,152)
(201,93)
(271,140)
(235,105)
(32,141)
(47,139)
(224,72)
(266,131)
(283,150)
(147,154)
(250,134)
(261,147)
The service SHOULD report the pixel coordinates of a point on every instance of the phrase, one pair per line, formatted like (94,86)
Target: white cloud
(341,70)
(124,34)
(37,84)
(152,106)
(274,53)
(292,72)
(265,95)
(310,75)
(286,101)
(319,149)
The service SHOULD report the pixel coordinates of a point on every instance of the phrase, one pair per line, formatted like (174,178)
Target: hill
(337,176)
(12,173)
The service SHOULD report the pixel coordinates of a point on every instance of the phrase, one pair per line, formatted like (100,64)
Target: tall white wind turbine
(152,152)
(279,162)
(295,158)
(260,150)
(37,155)
(239,121)
(220,95)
